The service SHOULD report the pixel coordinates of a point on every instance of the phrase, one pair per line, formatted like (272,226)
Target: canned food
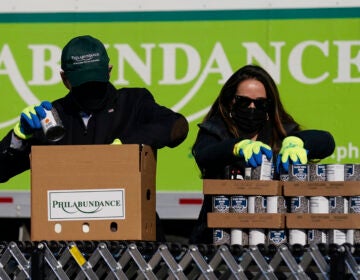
(317,172)
(221,204)
(298,172)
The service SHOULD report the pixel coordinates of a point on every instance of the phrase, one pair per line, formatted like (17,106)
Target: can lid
(55,133)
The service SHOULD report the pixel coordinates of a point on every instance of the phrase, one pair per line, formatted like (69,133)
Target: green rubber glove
(252,151)
(292,151)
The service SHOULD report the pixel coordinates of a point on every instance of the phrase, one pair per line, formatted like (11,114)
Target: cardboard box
(323,221)
(245,220)
(93,192)
(322,188)
(242,187)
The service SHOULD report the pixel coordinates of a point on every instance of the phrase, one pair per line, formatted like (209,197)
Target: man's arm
(155,125)
(14,157)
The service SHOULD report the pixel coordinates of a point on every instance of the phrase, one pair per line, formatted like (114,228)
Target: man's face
(91,96)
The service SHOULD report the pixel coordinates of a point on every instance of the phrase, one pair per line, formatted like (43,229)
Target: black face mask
(90,97)
(249,120)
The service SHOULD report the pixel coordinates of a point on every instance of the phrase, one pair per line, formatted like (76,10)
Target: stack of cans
(258,204)
(298,204)
(318,204)
(221,204)
(352,173)
(276,204)
(263,172)
(232,204)
(337,204)
(239,204)
(324,204)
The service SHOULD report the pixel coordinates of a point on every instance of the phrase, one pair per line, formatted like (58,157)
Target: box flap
(323,188)
(245,220)
(242,187)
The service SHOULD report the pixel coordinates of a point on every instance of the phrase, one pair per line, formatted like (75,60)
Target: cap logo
(86,58)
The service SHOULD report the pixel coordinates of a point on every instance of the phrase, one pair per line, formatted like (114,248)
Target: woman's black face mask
(250,120)
(90,97)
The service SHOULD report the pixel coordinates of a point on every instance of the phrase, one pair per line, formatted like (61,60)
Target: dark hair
(277,113)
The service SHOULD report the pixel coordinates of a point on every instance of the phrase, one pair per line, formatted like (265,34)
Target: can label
(297,236)
(247,173)
(335,172)
(257,204)
(298,172)
(221,204)
(354,204)
(221,236)
(338,205)
(283,175)
(52,126)
(277,237)
(239,236)
(238,204)
(316,236)
(275,204)
(353,236)
(317,172)
(352,172)
(299,204)
(263,171)
(319,204)
(256,237)
(337,236)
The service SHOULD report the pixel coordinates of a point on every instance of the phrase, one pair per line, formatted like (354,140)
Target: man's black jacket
(130,114)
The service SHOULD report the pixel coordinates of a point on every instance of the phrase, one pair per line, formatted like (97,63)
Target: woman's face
(250,106)
(252,89)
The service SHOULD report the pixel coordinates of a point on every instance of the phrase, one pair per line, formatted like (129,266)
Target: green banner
(315,60)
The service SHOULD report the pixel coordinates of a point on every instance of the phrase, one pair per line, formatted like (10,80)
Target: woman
(246,121)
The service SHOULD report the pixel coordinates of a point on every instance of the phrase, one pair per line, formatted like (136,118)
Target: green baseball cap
(84,59)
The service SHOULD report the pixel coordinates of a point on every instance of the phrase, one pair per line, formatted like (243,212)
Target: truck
(183,51)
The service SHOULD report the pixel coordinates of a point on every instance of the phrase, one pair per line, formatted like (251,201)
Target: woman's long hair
(277,114)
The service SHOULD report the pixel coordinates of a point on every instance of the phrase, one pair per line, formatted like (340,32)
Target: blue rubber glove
(292,152)
(252,151)
(30,119)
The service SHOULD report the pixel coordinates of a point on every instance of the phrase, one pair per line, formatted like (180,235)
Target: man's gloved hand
(292,151)
(252,151)
(30,120)
(116,141)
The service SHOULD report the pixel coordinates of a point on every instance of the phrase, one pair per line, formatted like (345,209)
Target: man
(93,112)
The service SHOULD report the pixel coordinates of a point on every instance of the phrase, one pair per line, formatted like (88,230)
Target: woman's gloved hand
(292,152)
(252,151)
